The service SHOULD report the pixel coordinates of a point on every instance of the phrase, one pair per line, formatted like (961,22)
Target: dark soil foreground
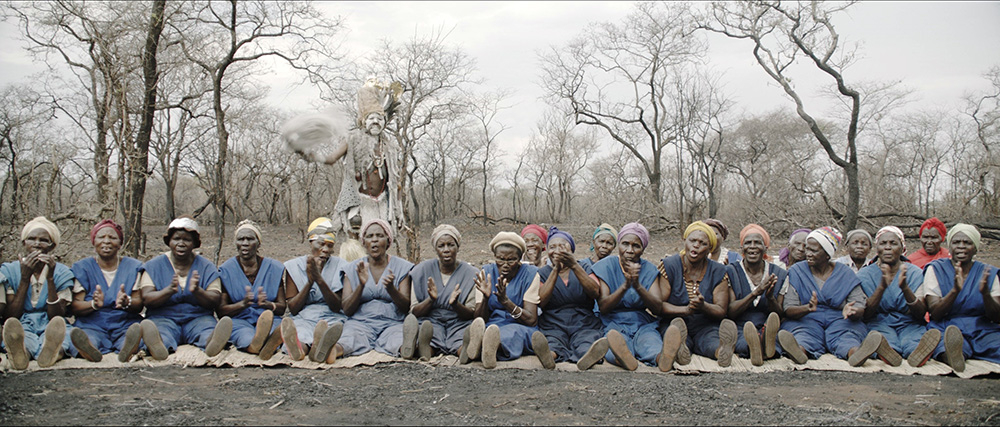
(408,393)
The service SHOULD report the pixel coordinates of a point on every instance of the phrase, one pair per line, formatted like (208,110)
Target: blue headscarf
(555,232)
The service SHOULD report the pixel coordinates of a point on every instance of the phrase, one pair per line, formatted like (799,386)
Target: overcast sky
(939,50)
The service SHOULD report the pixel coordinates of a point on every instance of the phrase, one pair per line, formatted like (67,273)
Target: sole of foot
(491,342)
(888,354)
(476,331)
(154,343)
(624,356)
(410,329)
(83,345)
(925,348)
(792,347)
(671,343)
(771,327)
(133,336)
(290,336)
(867,348)
(324,345)
(727,342)
(463,352)
(593,355)
(55,334)
(753,343)
(318,333)
(271,345)
(261,331)
(953,342)
(683,353)
(424,336)
(220,337)
(540,345)
(13,337)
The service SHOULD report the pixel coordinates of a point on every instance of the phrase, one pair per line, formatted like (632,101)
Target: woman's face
(797,248)
(247,244)
(508,259)
(962,248)
(533,242)
(321,248)
(859,246)
(630,248)
(376,241)
(697,246)
(447,250)
(38,240)
(931,240)
(754,248)
(603,245)
(181,243)
(889,248)
(816,256)
(558,244)
(107,243)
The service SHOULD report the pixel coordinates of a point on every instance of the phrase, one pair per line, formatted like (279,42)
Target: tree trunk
(138,162)
(853,196)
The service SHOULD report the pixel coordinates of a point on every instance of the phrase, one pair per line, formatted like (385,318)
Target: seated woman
(963,297)
(795,251)
(721,254)
(181,291)
(376,296)
(568,330)
(602,244)
(830,321)
(893,308)
(535,238)
(106,301)
(313,290)
(859,245)
(252,294)
(507,299)
(444,300)
(695,295)
(931,234)
(37,289)
(630,301)
(753,296)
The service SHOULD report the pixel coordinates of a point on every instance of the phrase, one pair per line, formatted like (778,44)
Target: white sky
(940,50)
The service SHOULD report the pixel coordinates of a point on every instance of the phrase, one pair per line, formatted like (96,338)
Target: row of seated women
(536,298)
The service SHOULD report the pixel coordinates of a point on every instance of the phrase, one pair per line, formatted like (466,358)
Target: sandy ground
(407,393)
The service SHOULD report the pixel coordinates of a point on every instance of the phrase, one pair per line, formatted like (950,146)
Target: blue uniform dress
(568,319)
(315,308)
(825,330)
(588,266)
(35,317)
(982,336)
(269,276)
(893,319)
(181,320)
(371,325)
(757,313)
(106,327)
(448,327)
(703,331)
(630,317)
(515,338)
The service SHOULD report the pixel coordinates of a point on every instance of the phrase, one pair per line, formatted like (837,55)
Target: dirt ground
(408,393)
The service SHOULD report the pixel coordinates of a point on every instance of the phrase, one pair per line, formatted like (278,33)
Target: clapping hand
(193,283)
(813,302)
(122,299)
(850,310)
(98,298)
(432,289)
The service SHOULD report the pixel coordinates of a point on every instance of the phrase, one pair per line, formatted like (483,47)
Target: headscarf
(247,224)
(321,228)
(636,229)
(508,238)
(723,230)
(445,230)
(707,229)
(893,230)
(182,223)
(44,224)
(536,230)
(555,232)
(604,229)
(756,229)
(968,230)
(105,223)
(381,223)
(852,233)
(785,252)
(828,237)
(935,224)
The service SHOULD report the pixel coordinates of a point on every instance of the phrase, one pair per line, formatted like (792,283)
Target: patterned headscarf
(895,231)
(707,229)
(638,230)
(604,229)
(321,228)
(714,223)
(828,237)
(247,224)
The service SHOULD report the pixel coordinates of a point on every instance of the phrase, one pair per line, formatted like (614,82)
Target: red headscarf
(103,224)
(536,230)
(936,224)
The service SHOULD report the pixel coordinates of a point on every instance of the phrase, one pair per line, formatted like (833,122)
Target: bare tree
(484,109)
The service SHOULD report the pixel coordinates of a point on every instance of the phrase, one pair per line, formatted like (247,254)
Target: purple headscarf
(638,230)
